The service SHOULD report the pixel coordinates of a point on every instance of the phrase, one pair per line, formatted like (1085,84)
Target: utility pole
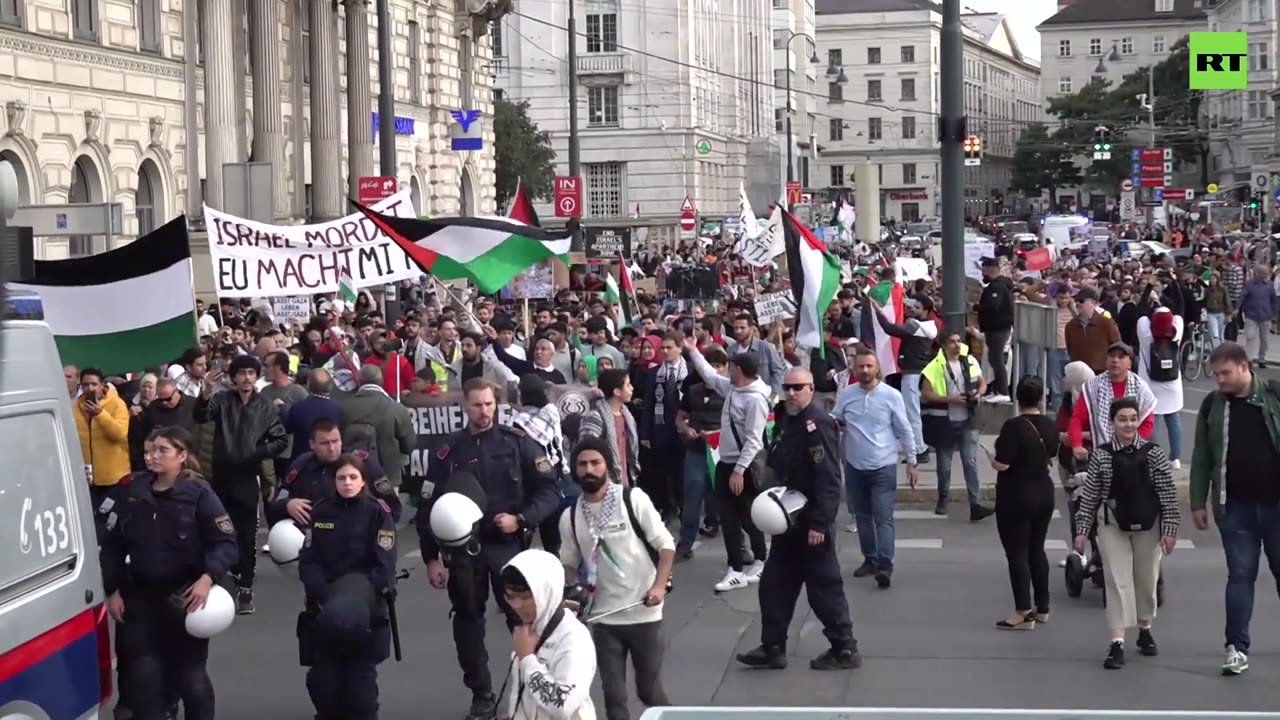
(791,171)
(386,94)
(575,169)
(951,134)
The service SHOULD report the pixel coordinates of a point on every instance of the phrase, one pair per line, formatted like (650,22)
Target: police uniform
(171,538)
(347,536)
(805,457)
(309,478)
(518,479)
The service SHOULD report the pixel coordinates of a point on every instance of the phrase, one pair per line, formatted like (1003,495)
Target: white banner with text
(253,259)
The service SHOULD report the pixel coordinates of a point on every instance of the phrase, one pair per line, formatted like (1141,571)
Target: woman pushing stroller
(1129,497)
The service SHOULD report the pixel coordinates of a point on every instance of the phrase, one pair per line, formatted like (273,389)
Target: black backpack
(360,436)
(1133,504)
(1162,361)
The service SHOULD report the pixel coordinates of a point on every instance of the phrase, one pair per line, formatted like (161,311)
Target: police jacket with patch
(517,477)
(348,535)
(171,537)
(310,478)
(805,457)
(245,433)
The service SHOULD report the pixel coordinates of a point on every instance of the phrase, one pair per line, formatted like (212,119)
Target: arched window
(144,200)
(83,185)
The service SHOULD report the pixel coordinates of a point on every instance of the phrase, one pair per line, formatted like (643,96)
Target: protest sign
(973,254)
(252,259)
(775,306)
(911,269)
(534,283)
(289,310)
(436,417)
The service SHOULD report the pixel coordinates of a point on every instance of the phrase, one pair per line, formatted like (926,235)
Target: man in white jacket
(554,660)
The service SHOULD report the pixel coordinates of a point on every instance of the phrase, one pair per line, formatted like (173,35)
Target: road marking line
(1056,545)
(413,554)
(917,515)
(918,544)
(1184,545)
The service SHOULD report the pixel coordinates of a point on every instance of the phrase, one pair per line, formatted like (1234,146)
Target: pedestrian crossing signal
(1101,143)
(973,150)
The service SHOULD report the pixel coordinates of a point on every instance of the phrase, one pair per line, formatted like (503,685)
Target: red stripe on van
(46,644)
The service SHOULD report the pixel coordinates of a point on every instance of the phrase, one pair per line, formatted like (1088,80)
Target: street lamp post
(813,58)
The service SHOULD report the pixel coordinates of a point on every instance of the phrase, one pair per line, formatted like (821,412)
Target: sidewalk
(926,491)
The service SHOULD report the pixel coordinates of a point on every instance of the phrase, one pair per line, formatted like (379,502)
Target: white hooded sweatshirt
(555,682)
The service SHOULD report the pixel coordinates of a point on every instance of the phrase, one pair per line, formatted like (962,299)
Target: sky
(1024,16)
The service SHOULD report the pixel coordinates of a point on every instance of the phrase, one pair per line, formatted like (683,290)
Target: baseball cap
(1120,347)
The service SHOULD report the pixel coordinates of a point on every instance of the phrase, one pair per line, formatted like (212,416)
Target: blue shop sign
(403,125)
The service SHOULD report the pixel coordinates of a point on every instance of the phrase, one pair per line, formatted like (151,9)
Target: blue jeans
(1217,323)
(911,398)
(1173,426)
(1029,359)
(695,491)
(1247,529)
(1057,373)
(965,436)
(871,494)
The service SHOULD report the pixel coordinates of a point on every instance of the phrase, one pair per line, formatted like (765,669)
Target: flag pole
(527,331)
(457,301)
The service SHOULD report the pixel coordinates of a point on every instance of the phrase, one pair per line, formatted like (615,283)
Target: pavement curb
(927,493)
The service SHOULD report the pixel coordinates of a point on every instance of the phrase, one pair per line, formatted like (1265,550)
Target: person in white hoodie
(738,473)
(554,660)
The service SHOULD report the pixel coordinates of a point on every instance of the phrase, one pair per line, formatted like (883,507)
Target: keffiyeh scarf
(670,379)
(597,522)
(1098,395)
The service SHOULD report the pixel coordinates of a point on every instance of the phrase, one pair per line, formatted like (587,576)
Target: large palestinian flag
(123,310)
(489,251)
(621,296)
(889,295)
(815,278)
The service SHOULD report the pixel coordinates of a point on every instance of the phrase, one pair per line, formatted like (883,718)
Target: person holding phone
(102,422)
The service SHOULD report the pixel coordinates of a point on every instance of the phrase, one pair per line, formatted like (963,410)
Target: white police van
(55,647)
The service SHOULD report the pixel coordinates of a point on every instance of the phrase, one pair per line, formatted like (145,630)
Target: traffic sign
(1261,180)
(1157,194)
(373,188)
(1276,195)
(1127,205)
(1211,188)
(793,192)
(1126,185)
(703,147)
(567,196)
(688,220)
(1178,194)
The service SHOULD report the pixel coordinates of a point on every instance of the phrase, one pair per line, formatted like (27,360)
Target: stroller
(1080,567)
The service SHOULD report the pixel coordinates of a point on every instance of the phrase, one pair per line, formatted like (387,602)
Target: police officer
(347,568)
(519,483)
(180,542)
(805,457)
(311,477)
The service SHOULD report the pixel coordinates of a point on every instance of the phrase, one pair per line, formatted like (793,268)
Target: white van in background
(1057,230)
(55,646)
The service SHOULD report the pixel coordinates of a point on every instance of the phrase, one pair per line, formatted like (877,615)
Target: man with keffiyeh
(1090,413)
(658,426)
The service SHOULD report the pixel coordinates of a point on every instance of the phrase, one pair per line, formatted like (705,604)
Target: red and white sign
(793,192)
(910,195)
(688,212)
(1179,194)
(1154,167)
(1038,259)
(374,188)
(566,195)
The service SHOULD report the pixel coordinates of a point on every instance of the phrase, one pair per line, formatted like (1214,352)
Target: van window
(41,540)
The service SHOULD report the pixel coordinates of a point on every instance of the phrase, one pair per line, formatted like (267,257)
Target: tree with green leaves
(1041,162)
(522,153)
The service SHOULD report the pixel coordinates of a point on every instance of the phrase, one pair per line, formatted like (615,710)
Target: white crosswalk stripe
(1062,545)
(929,515)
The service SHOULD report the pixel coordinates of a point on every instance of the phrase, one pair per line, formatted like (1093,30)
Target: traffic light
(973,150)
(1101,143)
(1255,202)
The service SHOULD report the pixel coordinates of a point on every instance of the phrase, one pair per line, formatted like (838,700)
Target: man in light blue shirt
(875,423)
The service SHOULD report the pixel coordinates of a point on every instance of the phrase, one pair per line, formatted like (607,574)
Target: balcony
(608,63)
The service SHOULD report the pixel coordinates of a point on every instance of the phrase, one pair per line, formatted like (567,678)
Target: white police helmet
(285,541)
(776,510)
(454,518)
(214,617)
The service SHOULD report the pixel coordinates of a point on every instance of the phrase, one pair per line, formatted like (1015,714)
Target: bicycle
(1195,350)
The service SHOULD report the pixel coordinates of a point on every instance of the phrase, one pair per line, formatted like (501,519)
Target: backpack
(360,436)
(1162,361)
(1133,505)
(635,528)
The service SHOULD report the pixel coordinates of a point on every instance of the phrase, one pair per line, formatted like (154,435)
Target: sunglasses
(168,399)
(795,387)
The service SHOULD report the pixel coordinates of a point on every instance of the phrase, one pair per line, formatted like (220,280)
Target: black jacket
(806,457)
(995,306)
(244,433)
(915,346)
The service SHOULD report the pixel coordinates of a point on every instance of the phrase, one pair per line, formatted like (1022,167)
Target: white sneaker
(1062,563)
(1236,663)
(1176,464)
(754,571)
(851,528)
(266,549)
(733,580)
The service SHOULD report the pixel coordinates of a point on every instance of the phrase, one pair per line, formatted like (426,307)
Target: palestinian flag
(489,251)
(125,309)
(713,449)
(346,287)
(815,278)
(621,297)
(888,294)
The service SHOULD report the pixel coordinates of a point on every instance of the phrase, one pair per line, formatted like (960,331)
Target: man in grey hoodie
(738,481)
(767,358)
